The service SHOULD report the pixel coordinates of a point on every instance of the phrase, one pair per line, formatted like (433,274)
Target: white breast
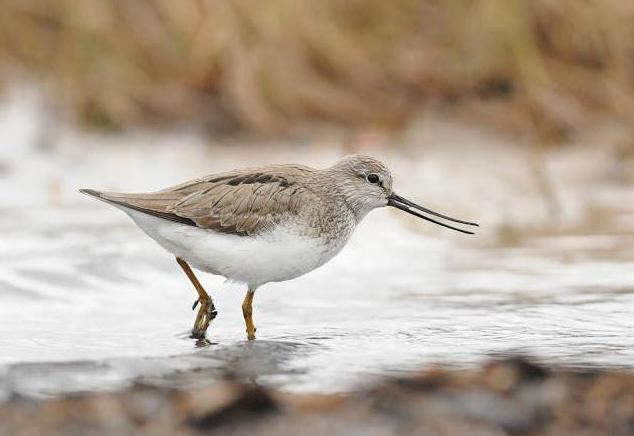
(276,256)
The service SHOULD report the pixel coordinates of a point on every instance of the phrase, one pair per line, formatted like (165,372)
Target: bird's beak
(412,208)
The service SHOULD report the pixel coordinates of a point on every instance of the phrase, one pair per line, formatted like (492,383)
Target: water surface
(88,302)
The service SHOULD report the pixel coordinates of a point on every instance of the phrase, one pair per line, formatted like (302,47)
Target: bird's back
(242,202)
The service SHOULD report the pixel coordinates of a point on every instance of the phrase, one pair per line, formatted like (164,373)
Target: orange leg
(247,311)
(207,311)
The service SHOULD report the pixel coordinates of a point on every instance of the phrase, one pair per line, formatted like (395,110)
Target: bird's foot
(251,333)
(206,314)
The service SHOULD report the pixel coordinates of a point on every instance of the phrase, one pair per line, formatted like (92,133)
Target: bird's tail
(136,202)
(92,193)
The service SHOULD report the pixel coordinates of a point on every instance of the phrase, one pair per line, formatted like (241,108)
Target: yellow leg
(207,311)
(247,311)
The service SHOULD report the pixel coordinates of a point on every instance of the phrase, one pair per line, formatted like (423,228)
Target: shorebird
(266,224)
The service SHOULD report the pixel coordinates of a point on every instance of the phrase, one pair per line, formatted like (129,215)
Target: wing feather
(245,202)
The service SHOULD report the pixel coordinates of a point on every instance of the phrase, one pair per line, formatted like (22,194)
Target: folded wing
(245,202)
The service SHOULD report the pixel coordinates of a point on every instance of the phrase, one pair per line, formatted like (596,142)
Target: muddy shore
(511,396)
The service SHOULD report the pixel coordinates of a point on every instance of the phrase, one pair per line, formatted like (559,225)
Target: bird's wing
(244,202)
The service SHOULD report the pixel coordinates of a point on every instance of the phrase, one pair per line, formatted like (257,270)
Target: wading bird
(261,225)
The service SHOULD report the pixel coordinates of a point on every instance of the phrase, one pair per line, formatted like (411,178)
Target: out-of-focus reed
(544,65)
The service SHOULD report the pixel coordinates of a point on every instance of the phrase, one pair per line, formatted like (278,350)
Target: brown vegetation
(267,65)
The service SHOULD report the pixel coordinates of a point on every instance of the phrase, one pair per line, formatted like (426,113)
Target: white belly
(276,256)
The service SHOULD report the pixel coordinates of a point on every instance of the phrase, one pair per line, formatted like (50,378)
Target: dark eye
(373,178)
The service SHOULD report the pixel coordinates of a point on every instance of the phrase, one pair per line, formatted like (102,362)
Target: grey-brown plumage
(254,200)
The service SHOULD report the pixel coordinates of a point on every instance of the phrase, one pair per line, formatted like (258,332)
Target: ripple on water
(10,290)
(105,308)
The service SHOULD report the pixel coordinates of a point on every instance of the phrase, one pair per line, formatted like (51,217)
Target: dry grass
(266,65)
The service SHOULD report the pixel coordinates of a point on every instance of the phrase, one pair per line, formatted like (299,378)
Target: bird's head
(366,183)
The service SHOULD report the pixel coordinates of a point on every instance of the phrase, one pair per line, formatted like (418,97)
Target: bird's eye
(373,178)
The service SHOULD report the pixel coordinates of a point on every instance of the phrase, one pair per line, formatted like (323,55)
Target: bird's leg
(207,311)
(247,311)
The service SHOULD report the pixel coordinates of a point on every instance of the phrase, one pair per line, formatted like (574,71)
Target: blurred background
(543,68)
(516,81)
(518,114)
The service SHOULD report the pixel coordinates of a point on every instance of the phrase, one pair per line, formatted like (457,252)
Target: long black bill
(408,206)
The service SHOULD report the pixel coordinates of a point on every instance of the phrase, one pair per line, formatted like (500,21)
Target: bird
(264,224)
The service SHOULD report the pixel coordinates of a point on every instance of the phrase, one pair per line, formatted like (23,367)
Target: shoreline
(510,396)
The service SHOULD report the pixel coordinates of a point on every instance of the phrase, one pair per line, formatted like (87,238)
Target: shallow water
(88,302)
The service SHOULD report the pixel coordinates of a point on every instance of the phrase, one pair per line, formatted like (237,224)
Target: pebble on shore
(508,397)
